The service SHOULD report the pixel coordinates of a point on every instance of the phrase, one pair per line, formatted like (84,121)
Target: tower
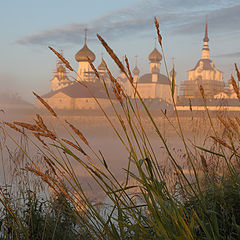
(84,68)
(204,73)
(155,58)
(102,73)
(102,68)
(136,72)
(60,78)
(205,49)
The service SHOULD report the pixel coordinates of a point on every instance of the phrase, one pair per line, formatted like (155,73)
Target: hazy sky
(29,26)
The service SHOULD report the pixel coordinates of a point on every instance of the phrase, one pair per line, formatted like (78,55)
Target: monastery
(153,87)
(66,94)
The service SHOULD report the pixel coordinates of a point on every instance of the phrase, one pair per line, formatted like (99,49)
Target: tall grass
(200,204)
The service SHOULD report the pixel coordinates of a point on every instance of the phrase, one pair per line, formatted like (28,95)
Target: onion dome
(84,53)
(136,71)
(155,56)
(101,66)
(61,69)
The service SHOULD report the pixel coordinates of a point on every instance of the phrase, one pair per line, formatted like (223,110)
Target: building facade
(60,78)
(204,73)
(70,95)
(66,94)
(152,85)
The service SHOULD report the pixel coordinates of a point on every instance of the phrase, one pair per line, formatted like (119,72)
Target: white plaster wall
(59,101)
(82,68)
(146,90)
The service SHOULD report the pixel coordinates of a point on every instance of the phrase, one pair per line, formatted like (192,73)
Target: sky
(28,27)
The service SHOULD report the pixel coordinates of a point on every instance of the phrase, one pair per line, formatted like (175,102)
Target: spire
(206,39)
(205,49)
(136,59)
(85,41)
(59,62)
(173,58)
(84,53)
(101,66)
(136,71)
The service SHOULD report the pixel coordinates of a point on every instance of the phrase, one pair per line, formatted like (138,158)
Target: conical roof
(84,53)
(155,56)
(61,69)
(101,66)
(136,71)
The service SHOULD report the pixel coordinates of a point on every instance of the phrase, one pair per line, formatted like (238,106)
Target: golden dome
(84,53)
(155,56)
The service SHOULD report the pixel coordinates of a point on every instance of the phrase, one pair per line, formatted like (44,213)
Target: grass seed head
(235,87)
(128,68)
(93,67)
(122,123)
(74,146)
(221,142)
(238,73)
(237,120)
(78,133)
(46,105)
(158,31)
(13,127)
(117,95)
(50,164)
(37,135)
(40,122)
(51,135)
(112,78)
(62,59)
(224,123)
(112,54)
(233,125)
(29,126)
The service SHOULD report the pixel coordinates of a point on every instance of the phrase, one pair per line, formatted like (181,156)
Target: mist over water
(101,138)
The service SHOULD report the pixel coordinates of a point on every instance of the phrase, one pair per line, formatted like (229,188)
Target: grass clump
(199,204)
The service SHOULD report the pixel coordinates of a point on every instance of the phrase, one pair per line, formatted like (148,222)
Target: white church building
(152,85)
(66,94)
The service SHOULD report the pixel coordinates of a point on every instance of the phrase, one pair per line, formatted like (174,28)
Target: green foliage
(222,209)
(42,219)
